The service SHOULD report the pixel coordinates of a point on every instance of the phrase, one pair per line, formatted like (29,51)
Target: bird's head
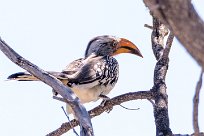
(110,45)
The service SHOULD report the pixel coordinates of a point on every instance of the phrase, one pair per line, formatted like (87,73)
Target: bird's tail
(25,76)
(22,76)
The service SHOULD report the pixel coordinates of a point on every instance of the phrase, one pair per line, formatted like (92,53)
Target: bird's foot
(103,103)
(105,99)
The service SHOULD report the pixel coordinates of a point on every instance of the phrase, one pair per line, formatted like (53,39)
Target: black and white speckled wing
(92,71)
(73,67)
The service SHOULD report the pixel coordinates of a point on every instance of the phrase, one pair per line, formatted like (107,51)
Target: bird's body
(96,74)
(99,76)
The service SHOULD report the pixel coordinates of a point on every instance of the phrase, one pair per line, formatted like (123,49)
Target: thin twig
(195,105)
(152,102)
(128,108)
(168,45)
(148,26)
(69,121)
(59,99)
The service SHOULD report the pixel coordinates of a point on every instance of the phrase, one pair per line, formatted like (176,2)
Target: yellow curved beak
(126,46)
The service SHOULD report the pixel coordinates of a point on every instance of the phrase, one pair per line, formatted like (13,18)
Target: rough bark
(161,52)
(182,19)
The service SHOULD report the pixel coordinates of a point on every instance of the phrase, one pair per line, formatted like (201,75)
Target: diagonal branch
(65,92)
(100,109)
(168,45)
(195,105)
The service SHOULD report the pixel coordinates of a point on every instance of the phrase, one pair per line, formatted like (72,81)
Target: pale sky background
(52,33)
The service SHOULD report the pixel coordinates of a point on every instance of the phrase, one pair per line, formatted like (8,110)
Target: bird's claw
(103,103)
(105,99)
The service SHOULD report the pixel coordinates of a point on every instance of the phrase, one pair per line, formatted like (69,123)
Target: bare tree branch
(157,38)
(168,45)
(59,99)
(148,26)
(65,92)
(195,106)
(161,53)
(187,26)
(100,109)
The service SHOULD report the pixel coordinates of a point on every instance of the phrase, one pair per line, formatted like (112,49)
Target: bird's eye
(114,44)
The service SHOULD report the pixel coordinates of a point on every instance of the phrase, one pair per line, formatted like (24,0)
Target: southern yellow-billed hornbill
(95,75)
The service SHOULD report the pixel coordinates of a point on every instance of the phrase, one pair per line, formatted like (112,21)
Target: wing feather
(89,70)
